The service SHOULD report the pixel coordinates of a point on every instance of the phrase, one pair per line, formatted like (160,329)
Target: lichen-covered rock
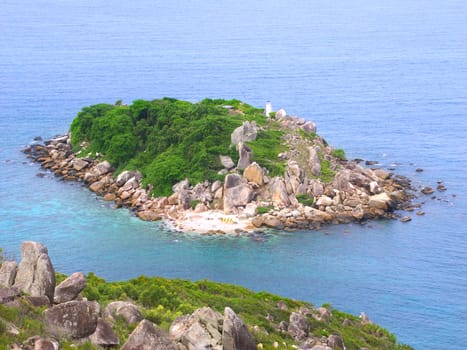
(298,326)
(74,319)
(147,336)
(235,334)
(126,310)
(35,274)
(7,273)
(200,330)
(70,288)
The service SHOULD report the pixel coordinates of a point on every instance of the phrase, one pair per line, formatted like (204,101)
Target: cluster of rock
(70,316)
(356,193)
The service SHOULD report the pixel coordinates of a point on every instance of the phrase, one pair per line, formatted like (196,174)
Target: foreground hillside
(193,163)
(40,310)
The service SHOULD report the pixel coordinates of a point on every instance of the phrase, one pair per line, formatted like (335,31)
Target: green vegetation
(169,140)
(339,154)
(264,210)
(305,199)
(162,300)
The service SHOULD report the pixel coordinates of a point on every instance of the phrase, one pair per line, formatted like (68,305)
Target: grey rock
(321,347)
(102,168)
(227,162)
(104,334)
(201,330)
(232,180)
(126,310)
(70,288)
(278,191)
(313,161)
(183,185)
(240,195)
(74,319)
(147,336)
(244,133)
(35,274)
(336,342)
(309,127)
(127,175)
(298,326)
(79,164)
(235,334)
(245,154)
(365,319)
(8,273)
(38,343)
(7,295)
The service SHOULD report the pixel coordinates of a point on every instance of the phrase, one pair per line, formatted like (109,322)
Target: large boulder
(254,173)
(127,175)
(73,319)
(314,162)
(237,196)
(200,330)
(278,191)
(245,154)
(70,288)
(235,334)
(232,180)
(380,201)
(126,310)
(79,164)
(104,335)
(102,168)
(35,274)
(227,162)
(7,273)
(244,133)
(148,336)
(298,326)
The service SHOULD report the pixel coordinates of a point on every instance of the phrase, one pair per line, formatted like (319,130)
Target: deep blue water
(383,81)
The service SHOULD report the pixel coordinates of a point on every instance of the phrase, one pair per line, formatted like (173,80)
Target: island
(219,166)
(44,310)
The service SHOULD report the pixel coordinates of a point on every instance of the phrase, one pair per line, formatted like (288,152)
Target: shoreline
(184,212)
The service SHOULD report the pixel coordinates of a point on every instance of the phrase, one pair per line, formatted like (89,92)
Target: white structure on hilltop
(268,108)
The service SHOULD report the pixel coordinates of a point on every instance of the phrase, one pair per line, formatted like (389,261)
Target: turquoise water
(386,82)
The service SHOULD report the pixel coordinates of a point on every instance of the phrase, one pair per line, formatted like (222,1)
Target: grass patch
(339,154)
(264,210)
(305,199)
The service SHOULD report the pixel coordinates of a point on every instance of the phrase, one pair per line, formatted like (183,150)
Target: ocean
(384,81)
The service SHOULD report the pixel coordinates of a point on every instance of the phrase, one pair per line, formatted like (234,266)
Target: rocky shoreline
(248,199)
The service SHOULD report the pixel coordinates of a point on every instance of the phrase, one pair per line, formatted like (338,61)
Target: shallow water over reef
(385,82)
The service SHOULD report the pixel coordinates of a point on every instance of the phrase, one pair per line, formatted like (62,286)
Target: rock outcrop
(148,336)
(235,334)
(73,319)
(123,309)
(35,274)
(70,288)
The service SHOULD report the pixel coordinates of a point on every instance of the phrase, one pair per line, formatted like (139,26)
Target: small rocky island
(219,166)
(43,310)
